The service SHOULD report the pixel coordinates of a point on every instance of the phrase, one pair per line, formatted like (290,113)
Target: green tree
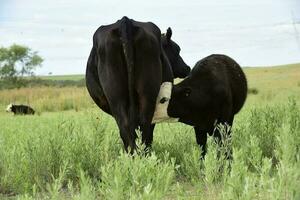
(18,61)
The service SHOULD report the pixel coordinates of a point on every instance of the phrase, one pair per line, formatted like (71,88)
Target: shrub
(252,91)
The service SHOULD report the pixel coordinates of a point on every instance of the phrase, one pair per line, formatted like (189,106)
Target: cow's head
(172,50)
(9,108)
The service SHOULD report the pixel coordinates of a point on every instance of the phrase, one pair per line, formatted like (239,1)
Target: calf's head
(185,103)
(172,50)
(180,102)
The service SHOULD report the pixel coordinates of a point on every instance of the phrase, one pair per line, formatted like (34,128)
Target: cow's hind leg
(147,106)
(127,133)
(147,136)
(147,131)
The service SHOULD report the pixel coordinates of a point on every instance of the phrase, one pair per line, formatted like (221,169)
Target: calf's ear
(169,34)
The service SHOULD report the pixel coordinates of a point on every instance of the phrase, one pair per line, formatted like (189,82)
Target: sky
(253,32)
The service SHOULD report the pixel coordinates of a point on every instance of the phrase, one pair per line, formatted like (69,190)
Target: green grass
(78,153)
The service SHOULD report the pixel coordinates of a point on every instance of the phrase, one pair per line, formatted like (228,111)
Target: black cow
(20,109)
(125,69)
(213,93)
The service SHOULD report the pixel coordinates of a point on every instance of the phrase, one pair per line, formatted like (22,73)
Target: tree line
(17,66)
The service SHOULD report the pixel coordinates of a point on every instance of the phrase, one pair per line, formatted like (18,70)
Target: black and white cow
(20,109)
(128,63)
(214,91)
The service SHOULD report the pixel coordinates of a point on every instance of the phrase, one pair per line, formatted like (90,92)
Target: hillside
(73,77)
(277,77)
(274,83)
(281,76)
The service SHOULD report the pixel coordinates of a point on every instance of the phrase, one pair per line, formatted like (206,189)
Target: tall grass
(48,99)
(80,156)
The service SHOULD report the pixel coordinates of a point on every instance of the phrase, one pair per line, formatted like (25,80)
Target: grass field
(74,77)
(71,150)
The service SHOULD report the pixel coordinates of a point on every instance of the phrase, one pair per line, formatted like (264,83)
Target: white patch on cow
(8,108)
(161,109)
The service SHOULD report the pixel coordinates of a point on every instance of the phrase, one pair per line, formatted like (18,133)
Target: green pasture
(72,150)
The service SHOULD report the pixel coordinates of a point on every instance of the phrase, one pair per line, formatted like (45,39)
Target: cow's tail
(126,32)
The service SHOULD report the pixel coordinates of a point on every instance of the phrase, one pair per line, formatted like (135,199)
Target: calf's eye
(187,92)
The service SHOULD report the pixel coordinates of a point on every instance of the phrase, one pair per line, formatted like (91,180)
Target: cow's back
(238,82)
(223,75)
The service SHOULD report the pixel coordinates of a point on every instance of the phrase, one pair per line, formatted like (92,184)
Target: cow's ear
(169,33)
(187,92)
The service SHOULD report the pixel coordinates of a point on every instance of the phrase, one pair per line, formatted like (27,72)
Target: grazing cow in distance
(125,70)
(213,93)
(20,109)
